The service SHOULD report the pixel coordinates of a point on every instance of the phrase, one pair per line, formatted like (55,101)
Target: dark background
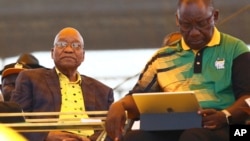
(30,25)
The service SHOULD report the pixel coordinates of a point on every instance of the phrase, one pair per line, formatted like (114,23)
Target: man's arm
(129,105)
(241,86)
(238,114)
(117,116)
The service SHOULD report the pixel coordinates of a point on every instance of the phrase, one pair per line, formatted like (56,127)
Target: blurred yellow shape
(8,134)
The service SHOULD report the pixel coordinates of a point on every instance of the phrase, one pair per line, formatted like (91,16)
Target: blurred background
(120,35)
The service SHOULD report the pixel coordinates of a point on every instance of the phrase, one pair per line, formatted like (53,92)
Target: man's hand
(115,121)
(64,136)
(212,119)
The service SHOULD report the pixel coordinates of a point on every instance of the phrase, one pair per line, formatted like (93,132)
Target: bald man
(63,88)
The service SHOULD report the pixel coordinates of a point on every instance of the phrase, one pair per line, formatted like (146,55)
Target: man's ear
(1,87)
(51,53)
(216,16)
(83,57)
(177,20)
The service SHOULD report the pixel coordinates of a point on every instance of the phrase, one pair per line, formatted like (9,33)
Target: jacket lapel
(54,86)
(88,94)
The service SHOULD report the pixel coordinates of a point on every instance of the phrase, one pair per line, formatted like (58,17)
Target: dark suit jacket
(38,90)
(10,107)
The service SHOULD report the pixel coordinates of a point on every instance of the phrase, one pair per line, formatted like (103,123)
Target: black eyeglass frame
(201,25)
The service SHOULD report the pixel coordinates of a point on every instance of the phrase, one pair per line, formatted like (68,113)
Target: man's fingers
(210,126)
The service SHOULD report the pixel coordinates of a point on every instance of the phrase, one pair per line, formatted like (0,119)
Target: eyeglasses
(63,44)
(203,24)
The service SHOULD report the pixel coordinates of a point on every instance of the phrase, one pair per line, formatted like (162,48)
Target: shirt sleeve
(241,75)
(147,81)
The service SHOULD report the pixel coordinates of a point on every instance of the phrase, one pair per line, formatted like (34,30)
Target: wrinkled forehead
(69,34)
(194,9)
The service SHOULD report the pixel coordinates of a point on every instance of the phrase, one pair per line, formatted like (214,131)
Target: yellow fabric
(9,134)
(214,41)
(72,101)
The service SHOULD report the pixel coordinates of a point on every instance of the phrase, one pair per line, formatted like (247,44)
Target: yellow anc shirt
(72,101)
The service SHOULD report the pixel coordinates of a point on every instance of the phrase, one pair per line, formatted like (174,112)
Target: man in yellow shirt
(63,88)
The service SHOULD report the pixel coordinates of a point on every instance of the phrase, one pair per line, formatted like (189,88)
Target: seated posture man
(11,71)
(62,89)
(213,64)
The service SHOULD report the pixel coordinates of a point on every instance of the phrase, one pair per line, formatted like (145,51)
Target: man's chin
(196,45)
(68,65)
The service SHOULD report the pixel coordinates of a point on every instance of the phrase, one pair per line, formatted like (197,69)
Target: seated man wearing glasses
(62,89)
(213,64)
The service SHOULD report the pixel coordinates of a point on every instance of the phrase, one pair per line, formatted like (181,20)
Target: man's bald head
(183,3)
(69,31)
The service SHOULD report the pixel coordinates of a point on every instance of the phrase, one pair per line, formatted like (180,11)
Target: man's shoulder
(227,38)
(92,81)
(89,79)
(36,72)
(233,44)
